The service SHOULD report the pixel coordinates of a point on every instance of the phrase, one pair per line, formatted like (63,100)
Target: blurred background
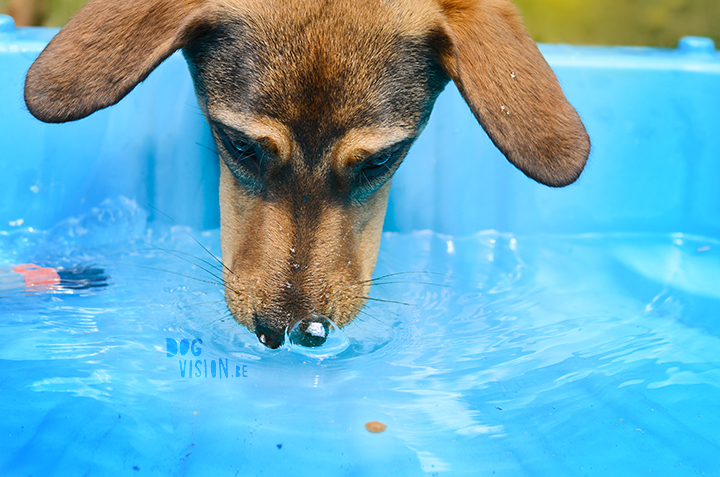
(580,22)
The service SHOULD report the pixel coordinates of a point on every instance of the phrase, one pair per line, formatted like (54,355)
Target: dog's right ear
(104,51)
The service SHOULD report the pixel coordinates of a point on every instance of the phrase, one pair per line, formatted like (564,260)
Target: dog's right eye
(242,147)
(247,155)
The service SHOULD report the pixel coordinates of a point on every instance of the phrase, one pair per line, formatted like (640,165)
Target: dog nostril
(310,332)
(270,338)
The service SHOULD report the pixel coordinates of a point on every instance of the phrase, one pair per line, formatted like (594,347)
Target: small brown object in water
(375,427)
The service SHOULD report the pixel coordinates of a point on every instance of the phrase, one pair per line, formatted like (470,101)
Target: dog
(313,105)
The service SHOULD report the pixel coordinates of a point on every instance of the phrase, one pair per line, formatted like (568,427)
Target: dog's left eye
(378,161)
(374,168)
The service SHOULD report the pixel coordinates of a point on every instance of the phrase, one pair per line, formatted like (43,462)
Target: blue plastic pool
(521,330)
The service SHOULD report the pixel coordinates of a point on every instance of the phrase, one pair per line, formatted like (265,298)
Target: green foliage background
(620,22)
(600,22)
(58,11)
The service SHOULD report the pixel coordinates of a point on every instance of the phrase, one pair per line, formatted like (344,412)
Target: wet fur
(319,89)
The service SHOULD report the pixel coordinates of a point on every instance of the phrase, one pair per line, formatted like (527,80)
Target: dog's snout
(311,331)
(270,335)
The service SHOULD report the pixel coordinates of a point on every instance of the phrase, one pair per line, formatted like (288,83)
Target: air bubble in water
(316,336)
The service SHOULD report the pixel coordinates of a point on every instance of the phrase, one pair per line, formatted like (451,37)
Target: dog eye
(378,160)
(376,167)
(246,154)
(242,147)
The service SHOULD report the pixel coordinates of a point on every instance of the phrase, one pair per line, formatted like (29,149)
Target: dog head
(313,105)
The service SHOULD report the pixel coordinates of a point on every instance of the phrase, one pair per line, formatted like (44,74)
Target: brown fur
(517,98)
(307,100)
(106,49)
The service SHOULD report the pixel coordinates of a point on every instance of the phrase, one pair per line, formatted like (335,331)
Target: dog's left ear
(512,91)
(103,52)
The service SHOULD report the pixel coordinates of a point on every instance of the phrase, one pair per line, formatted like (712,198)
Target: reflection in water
(488,353)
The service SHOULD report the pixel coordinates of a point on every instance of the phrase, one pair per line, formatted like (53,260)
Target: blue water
(495,355)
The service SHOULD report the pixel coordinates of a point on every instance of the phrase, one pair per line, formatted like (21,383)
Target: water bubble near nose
(316,336)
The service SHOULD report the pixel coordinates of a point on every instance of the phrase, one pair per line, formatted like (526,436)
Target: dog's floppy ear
(512,91)
(103,52)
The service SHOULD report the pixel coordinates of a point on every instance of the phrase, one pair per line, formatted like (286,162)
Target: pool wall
(653,116)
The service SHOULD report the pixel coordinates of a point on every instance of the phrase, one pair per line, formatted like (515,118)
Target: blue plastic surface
(652,114)
(551,332)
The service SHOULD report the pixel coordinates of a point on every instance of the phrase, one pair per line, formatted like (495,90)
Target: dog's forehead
(320,68)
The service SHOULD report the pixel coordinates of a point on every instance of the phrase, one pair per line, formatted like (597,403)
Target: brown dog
(313,105)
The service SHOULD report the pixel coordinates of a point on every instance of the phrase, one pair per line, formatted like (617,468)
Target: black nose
(310,332)
(268,336)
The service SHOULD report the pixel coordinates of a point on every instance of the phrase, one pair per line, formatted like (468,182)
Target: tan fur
(268,131)
(513,92)
(413,17)
(256,241)
(317,94)
(359,144)
(105,35)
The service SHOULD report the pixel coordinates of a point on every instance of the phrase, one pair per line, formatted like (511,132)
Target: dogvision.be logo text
(201,368)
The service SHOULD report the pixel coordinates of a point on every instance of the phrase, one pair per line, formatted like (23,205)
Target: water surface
(491,354)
